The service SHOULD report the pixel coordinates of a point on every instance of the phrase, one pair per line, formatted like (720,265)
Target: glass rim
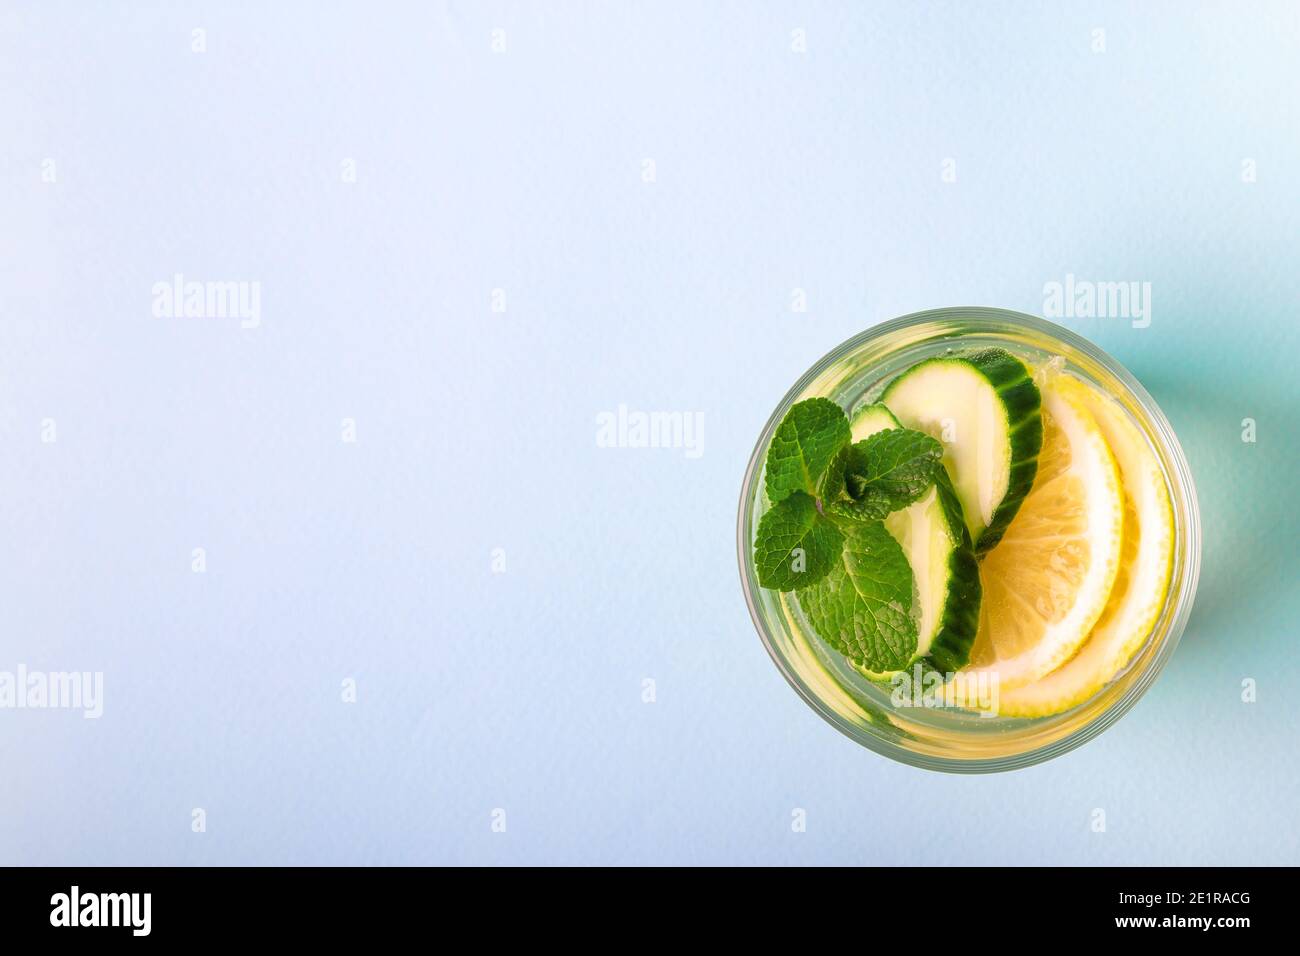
(1185,573)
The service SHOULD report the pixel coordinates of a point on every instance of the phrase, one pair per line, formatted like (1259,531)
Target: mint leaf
(868,509)
(890,470)
(831,487)
(837,500)
(795,545)
(809,436)
(862,607)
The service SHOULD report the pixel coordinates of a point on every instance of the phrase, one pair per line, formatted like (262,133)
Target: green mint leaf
(862,607)
(870,508)
(844,483)
(795,545)
(809,436)
(856,484)
(831,487)
(891,470)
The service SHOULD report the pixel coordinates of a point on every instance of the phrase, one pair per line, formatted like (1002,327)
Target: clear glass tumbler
(949,739)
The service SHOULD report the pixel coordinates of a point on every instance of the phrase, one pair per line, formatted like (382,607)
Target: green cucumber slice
(984,407)
(871,419)
(948,590)
(933,535)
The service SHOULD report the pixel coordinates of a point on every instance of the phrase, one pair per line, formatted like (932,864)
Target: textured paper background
(522,170)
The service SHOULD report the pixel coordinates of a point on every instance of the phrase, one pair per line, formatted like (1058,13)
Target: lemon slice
(1140,587)
(1048,580)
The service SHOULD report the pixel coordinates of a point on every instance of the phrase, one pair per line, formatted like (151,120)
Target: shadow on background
(1246,491)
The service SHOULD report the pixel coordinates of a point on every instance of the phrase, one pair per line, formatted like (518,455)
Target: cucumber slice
(933,533)
(934,537)
(984,407)
(871,419)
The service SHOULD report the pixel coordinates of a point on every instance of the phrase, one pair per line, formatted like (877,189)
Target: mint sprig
(824,537)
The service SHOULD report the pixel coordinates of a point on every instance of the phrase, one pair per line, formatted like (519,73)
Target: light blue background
(522,171)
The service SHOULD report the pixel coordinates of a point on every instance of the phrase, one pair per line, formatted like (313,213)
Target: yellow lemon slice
(1047,582)
(1142,583)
